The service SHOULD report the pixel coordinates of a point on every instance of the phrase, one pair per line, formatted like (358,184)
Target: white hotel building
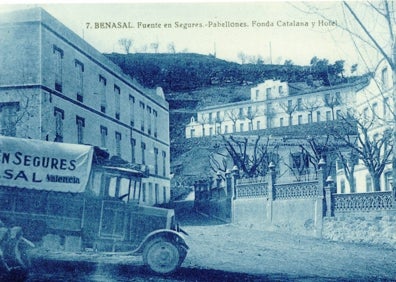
(273,104)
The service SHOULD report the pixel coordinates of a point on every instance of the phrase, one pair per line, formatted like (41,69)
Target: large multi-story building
(54,86)
(373,108)
(273,104)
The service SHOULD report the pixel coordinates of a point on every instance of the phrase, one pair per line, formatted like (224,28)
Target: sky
(273,31)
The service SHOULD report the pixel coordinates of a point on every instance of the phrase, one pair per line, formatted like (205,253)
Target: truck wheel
(162,256)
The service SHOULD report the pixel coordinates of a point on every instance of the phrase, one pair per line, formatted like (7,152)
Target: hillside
(183,72)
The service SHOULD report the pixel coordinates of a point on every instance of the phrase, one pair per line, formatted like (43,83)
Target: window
(289,105)
(299,104)
(280,89)
(217,116)
(58,56)
(142,107)
(150,192)
(218,129)
(210,131)
(155,114)
(365,113)
(384,78)
(388,181)
(133,150)
(258,125)
(103,102)
(342,186)
(386,109)
(338,98)
(164,193)
(300,161)
(375,110)
(250,126)
(144,198)
(317,116)
(268,93)
(353,188)
(299,119)
(210,117)
(149,120)
(132,110)
(103,136)
(226,129)
(281,121)
(8,118)
(143,147)
(192,132)
(117,94)
(118,143)
(156,161)
(80,129)
(79,80)
(241,127)
(240,114)
(338,114)
(310,118)
(163,163)
(156,192)
(257,94)
(59,117)
(328,115)
(369,183)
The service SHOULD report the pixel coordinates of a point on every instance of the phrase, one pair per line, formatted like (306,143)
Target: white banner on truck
(42,165)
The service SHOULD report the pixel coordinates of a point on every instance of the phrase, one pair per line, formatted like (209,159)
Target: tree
(233,116)
(311,105)
(154,46)
(331,101)
(172,48)
(252,157)
(387,48)
(242,56)
(125,44)
(371,26)
(289,109)
(348,160)
(251,115)
(374,150)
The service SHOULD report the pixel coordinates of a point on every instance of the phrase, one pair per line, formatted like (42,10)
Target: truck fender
(171,235)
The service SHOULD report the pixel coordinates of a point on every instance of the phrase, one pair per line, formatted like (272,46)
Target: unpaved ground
(274,255)
(224,252)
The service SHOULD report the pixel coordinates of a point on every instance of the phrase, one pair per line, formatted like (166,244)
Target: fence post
(218,182)
(228,183)
(329,191)
(196,190)
(271,181)
(271,191)
(235,174)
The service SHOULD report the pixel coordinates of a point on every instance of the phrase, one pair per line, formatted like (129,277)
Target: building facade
(273,104)
(54,86)
(374,108)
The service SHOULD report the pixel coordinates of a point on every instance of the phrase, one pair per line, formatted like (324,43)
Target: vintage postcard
(197,141)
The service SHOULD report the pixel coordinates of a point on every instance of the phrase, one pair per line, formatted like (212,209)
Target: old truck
(75,198)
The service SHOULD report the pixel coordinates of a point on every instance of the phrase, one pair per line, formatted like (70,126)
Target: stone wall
(379,230)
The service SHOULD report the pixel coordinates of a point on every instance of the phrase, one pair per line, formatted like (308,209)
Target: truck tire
(163,256)
(14,250)
(14,261)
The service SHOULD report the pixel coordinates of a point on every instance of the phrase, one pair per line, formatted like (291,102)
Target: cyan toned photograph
(197,141)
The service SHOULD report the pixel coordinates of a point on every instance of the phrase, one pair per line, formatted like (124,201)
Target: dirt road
(223,252)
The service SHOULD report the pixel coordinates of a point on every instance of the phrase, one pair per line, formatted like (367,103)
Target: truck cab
(96,209)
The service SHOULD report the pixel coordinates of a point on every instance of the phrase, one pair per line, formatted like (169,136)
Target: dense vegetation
(185,71)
